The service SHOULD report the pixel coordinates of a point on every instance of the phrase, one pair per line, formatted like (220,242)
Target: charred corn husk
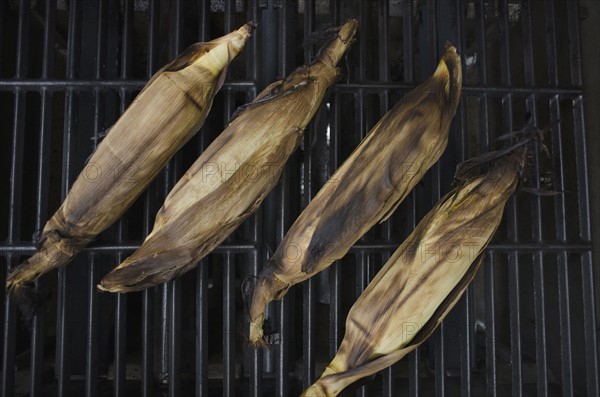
(232,177)
(423,279)
(166,114)
(365,190)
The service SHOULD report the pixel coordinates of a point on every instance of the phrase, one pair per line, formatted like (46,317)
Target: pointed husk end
(332,53)
(258,292)
(256,338)
(240,36)
(53,255)
(450,70)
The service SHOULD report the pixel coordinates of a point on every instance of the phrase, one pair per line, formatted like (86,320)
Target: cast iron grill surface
(526,326)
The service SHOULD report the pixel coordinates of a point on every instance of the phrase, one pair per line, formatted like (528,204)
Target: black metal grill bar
(484,146)
(540,320)
(280,18)
(589,318)
(37,334)
(407,37)
(361,283)
(538,257)
(336,319)
(91,369)
(175,338)
(256,357)
(148,296)
(440,360)
(82,84)
(335,270)
(63,359)
(228,325)
(582,169)
(285,305)
(389,386)
(202,279)
(120,346)
(147,367)
(536,209)
(466,340)
(383,13)
(308,288)
(28,249)
(91,357)
(229,351)
(173,301)
(430,39)
(201,374)
(361,42)
(308,334)
(491,367)
(164,292)
(514,286)
(133,85)
(409,78)
(360,132)
(461,145)
(15,192)
(511,215)
(283,308)
(589,311)
(466,330)
(560,209)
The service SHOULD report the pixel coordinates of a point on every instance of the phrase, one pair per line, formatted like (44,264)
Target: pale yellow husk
(366,189)
(423,279)
(233,175)
(166,114)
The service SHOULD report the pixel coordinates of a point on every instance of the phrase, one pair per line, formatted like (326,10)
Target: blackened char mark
(449,301)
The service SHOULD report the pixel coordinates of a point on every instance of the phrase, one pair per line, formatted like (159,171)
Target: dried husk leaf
(165,115)
(232,177)
(423,279)
(365,190)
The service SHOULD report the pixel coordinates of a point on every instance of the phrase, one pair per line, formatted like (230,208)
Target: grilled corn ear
(423,279)
(232,177)
(166,114)
(365,190)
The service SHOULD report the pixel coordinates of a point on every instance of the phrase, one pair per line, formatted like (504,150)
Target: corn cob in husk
(365,190)
(423,279)
(166,114)
(232,177)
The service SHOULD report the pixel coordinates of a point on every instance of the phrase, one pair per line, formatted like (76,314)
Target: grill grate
(68,69)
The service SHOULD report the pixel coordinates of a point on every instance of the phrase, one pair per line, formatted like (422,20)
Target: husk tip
(348,29)
(451,57)
(247,29)
(449,47)
(251,26)
(257,339)
(450,71)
